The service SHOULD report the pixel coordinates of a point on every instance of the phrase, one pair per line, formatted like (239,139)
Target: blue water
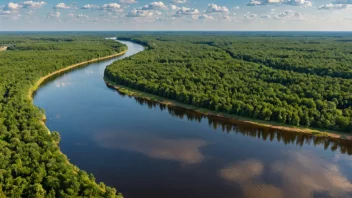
(149,150)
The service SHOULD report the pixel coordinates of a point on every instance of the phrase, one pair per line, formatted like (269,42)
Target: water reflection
(304,175)
(243,171)
(63,82)
(300,175)
(181,150)
(247,129)
(246,174)
(157,153)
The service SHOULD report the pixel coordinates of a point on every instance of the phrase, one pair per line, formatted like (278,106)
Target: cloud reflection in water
(301,175)
(181,150)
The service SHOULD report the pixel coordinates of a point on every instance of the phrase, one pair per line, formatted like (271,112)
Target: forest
(31,164)
(287,78)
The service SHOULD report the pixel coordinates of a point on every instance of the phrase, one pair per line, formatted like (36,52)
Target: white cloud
(12,6)
(205,17)
(265,16)
(90,6)
(304,3)
(333,7)
(215,8)
(187,11)
(287,14)
(139,13)
(342,2)
(128,1)
(174,7)
(82,16)
(53,15)
(112,7)
(61,6)
(228,18)
(179,1)
(5,12)
(155,6)
(33,4)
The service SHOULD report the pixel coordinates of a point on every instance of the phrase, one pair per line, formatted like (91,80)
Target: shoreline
(42,79)
(267,124)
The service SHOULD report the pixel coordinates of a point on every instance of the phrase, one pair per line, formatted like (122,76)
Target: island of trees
(31,164)
(299,79)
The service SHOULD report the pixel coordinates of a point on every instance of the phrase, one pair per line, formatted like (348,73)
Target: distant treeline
(300,81)
(31,164)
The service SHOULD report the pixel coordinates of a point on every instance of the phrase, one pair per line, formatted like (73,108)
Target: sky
(198,15)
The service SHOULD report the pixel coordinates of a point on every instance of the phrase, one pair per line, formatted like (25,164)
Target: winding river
(149,150)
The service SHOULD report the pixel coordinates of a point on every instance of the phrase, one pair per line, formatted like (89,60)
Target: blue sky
(316,15)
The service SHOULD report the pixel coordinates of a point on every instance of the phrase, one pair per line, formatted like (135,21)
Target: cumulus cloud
(174,7)
(139,13)
(179,1)
(249,16)
(305,3)
(128,1)
(90,6)
(53,15)
(287,14)
(333,7)
(112,7)
(205,17)
(215,8)
(187,11)
(343,2)
(33,4)
(82,16)
(61,6)
(265,16)
(12,6)
(157,5)
(228,18)
(5,12)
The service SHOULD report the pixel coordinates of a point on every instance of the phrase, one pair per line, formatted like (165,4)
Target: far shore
(268,124)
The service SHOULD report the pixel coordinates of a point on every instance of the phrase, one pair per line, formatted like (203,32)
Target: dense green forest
(31,164)
(289,78)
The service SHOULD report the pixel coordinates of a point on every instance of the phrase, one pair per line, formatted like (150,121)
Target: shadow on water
(228,125)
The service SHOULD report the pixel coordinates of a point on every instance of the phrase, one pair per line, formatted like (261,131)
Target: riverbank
(206,112)
(44,78)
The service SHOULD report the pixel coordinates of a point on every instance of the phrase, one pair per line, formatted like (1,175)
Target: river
(149,150)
